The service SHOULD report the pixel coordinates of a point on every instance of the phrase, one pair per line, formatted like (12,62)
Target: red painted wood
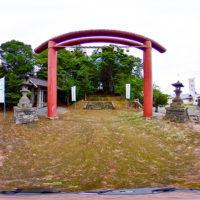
(52,80)
(148,89)
(100,39)
(100,32)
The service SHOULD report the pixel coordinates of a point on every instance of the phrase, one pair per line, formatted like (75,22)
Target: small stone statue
(24,112)
(177,111)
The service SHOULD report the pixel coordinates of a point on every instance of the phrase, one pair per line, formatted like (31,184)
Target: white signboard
(128,91)
(73,93)
(192,88)
(2,90)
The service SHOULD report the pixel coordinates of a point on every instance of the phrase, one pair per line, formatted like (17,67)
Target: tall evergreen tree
(16,60)
(117,69)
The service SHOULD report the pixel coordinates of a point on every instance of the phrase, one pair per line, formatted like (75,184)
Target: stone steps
(99,105)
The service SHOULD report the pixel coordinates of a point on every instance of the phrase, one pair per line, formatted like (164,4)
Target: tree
(41,61)
(159,99)
(16,60)
(85,75)
(79,70)
(72,69)
(111,69)
(106,62)
(116,69)
(137,89)
(16,57)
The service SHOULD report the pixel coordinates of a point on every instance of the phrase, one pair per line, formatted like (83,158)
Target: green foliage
(110,69)
(16,60)
(41,61)
(73,69)
(85,77)
(137,88)
(16,57)
(159,99)
(12,88)
(117,69)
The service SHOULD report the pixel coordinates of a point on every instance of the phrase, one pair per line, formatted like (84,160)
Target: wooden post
(39,98)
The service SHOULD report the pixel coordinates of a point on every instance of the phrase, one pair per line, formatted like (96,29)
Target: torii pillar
(52,80)
(147,88)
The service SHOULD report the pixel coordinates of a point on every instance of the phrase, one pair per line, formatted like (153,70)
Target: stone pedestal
(24,112)
(24,115)
(177,115)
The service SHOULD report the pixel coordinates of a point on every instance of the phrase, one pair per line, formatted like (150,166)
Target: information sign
(73,93)
(2,90)
(128,91)
(2,94)
(192,88)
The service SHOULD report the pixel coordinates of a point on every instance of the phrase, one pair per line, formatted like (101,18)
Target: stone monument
(177,112)
(24,112)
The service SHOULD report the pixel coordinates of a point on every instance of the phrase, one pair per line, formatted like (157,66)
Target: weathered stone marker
(177,112)
(24,112)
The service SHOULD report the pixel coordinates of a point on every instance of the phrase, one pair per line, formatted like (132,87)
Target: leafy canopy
(159,99)
(16,61)
(110,69)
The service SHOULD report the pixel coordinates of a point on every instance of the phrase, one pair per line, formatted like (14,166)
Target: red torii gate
(100,35)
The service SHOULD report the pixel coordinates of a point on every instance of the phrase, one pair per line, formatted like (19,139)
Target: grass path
(107,149)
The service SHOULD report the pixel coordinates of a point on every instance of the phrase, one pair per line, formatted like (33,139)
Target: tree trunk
(67,98)
(111,86)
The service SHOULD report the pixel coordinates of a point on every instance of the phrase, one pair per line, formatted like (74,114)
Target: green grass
(106,149)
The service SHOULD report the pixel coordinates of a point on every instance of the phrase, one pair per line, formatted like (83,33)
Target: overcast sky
(175,24)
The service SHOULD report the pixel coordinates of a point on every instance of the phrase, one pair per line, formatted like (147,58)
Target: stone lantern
(24,102)
(177,112)
(24,112)
(177,90)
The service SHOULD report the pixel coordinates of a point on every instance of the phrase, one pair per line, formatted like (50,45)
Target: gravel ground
(160,114)
(43,111)
(191,110)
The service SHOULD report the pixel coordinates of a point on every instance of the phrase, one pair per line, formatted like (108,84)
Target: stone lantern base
(24,115)
(177,114)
